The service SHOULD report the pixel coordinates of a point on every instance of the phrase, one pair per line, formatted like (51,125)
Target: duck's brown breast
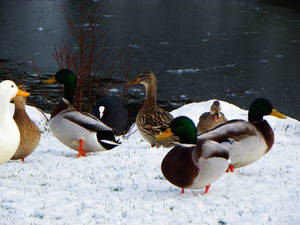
(178,166)
(267,132)
(29,135)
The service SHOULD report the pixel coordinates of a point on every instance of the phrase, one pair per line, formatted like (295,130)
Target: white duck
(9,131)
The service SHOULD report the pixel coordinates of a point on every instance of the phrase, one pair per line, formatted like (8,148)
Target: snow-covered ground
(125,185)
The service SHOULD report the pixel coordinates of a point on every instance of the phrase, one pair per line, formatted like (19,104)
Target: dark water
(233,50)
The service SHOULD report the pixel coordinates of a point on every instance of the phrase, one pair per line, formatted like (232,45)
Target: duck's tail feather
(107,139)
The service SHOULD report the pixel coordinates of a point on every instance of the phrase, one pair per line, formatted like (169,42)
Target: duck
(29,131)
(80,131)
(151,120)
(112,111)
(210,119)
(192,163)
(247,141)
(9,131)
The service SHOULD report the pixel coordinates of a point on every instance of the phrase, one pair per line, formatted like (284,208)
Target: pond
(233,50)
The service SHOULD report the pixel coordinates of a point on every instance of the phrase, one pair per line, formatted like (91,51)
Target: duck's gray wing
(86,120)
(230,130)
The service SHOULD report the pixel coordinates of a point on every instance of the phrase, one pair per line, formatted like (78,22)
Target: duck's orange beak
(22,93)
(129,83)
(165,134)
(50,81)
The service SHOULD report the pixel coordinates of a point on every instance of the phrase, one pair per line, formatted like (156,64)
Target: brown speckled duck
(151,120)
(29,132)
(194,164)
(210,119)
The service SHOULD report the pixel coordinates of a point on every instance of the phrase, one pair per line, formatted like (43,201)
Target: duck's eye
(12,86)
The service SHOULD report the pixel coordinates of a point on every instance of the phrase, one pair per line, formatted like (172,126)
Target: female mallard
(197,164)
(250,140)
(9,132)
(210,119)
(151,120)
(80,131)
(29,132)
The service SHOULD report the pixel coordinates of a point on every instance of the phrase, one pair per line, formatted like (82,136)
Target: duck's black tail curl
(107,139)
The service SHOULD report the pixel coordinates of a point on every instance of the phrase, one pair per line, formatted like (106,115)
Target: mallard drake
(196,164)
(151,120)
(112,111)
(78,130)
(9,132)
(30,133)
(247,141)
(210,119)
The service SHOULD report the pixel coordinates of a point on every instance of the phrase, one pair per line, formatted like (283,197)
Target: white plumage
(9,131)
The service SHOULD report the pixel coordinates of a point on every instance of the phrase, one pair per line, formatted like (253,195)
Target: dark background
(233,50)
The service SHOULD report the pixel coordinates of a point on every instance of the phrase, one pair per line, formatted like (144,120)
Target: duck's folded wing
(87,121)
(212,149)
(231,130)
(159,121)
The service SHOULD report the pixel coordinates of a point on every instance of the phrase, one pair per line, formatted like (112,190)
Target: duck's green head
(184,128)
(68,79)
(261,107)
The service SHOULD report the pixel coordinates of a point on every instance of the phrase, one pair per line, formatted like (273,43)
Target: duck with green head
(250,140)
(192,164)
(78,130)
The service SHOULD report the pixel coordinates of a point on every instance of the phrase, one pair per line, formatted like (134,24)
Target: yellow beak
(50,81)
(22,93)
(277,114)
(165,134)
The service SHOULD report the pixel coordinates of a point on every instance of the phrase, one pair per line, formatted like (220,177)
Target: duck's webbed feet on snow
(230,169)
(206,189)
(81,152)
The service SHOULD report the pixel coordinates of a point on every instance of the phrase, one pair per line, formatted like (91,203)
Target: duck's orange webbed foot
(206,189)
(81,152)
(230,169)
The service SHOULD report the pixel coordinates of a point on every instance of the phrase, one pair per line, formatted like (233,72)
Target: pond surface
(233,50)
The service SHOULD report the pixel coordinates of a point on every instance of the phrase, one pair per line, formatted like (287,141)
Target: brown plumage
(179,166)
(210,119)
(29,132)
(151,120)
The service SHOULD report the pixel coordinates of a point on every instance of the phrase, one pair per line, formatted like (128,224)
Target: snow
(125,185)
